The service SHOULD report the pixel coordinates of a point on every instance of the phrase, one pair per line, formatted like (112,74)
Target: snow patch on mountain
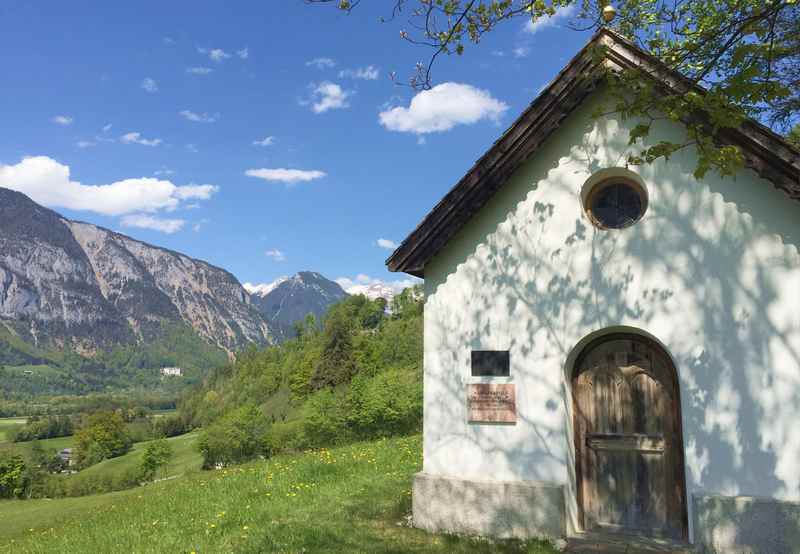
(264,289)
(374,288)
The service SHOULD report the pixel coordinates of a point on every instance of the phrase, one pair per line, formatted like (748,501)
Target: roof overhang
(764,151)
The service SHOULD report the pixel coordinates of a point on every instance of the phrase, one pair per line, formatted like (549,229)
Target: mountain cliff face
(71,284)
(288,300)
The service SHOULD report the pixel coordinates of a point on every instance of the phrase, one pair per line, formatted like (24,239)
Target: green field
(35,370)
(9,423)
(351,499)
(185,459)
(24,448)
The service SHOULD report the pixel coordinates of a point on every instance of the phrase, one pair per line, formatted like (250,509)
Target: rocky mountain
(68,284)
(290,299)
(373,291)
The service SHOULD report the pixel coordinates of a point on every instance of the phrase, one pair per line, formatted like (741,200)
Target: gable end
(764,151)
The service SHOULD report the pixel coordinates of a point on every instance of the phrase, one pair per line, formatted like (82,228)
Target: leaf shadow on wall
(709,259)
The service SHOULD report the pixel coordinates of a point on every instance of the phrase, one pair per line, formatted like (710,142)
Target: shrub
(325,418)
(389,403)
(237,437)
(285,436)
(13,478)
(171,426)
(156,455)
(104,436)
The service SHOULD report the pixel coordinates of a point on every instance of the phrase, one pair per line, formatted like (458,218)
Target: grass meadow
(185,459)
(8,424)
(351,499)
(24,448)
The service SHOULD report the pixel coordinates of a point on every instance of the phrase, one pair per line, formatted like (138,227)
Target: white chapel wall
(712,271)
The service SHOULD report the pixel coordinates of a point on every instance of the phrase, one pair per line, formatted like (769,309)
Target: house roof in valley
(764,151)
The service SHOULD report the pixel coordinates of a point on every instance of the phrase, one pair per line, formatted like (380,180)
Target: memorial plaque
(492,403)
(490,363)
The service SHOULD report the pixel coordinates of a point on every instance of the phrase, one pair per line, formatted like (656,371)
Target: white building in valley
(607,348)
(171,371)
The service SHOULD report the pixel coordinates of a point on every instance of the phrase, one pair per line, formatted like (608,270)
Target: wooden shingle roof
(764,151)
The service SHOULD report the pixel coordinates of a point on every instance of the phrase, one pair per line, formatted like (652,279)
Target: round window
(616,203)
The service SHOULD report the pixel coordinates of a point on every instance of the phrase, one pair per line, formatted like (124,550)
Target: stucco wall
(712,271)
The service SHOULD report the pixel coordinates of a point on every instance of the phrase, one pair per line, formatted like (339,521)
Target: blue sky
(145,117)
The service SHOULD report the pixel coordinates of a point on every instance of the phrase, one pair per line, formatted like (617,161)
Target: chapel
(609,348)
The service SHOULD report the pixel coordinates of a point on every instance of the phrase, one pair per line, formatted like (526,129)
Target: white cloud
(192,148)
(266,141)
(164,171)
(521,52)
(62,120)
(328,96)
(442,108)
(288,176)
(276,255)
(561,14)
(136,138)
(150,85)
(321,63)
(48,182)
(244,53)
(369,73)
(144,221)
(107,127)
(195,192)
(373,287)
(199,225)
(199,117)
(199,70)
(215,54)
(387,244)
(168,40)
(85,144)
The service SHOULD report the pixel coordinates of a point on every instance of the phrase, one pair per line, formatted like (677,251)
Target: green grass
(349,499)
(24,448)
(184,459)
(8,424)
(35,370)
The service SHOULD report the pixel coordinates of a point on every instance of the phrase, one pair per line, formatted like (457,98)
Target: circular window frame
(602,180)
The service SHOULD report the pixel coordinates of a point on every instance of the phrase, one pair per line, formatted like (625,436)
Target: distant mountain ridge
(75,285)
(291,299)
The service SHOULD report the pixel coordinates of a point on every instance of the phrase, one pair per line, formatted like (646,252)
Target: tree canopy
(744,53)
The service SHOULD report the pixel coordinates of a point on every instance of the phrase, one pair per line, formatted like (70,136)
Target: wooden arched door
(628,439)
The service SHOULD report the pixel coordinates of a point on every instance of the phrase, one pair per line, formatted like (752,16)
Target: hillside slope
(71,285)
(351,499)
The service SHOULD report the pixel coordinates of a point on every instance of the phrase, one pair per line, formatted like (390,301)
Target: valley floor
(350,499)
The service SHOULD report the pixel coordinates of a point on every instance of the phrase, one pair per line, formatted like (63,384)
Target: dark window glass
(490,363)
(616,205)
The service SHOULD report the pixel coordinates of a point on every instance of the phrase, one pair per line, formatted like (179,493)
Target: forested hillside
(355,375)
